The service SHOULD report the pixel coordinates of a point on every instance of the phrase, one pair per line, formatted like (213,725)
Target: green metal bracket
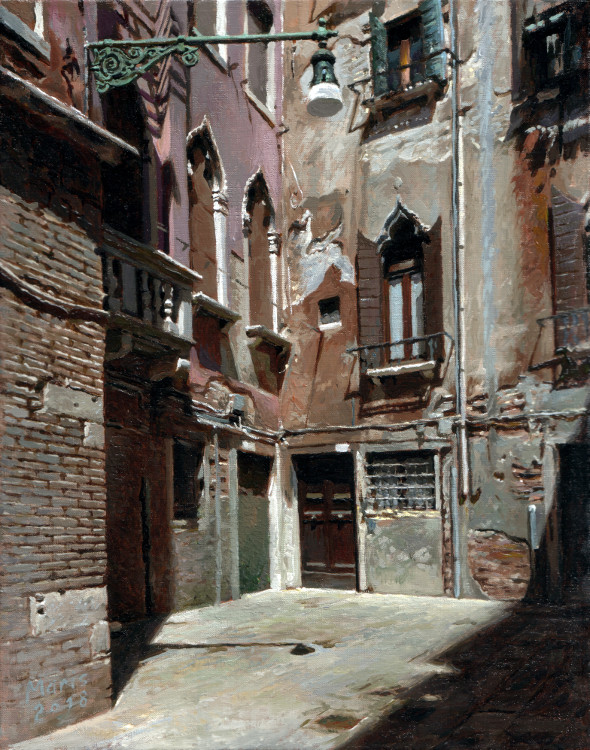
(119,62)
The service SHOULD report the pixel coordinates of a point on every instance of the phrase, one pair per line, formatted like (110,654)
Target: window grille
(401,481)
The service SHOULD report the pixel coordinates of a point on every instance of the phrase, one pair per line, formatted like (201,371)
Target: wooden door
(327,534)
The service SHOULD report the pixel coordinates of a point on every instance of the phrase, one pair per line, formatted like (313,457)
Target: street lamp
(324,97)
(118,62)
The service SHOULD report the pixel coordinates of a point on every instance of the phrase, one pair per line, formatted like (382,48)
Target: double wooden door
(328,534)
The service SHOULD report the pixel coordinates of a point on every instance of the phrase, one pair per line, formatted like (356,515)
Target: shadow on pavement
(523,683)
(129,646)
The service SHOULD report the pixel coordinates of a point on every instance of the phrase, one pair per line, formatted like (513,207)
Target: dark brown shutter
(569,262)
(432,280)
(369,291)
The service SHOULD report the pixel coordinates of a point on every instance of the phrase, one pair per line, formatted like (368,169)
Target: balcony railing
(419,353)
(147,291)
(571,330)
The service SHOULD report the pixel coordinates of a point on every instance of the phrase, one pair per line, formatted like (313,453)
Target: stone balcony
(149,298)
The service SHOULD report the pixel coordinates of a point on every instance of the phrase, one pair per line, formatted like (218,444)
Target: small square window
(329,311)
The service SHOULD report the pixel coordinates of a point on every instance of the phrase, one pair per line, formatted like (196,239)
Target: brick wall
(54,659)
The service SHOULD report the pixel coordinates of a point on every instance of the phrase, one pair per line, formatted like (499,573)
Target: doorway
(574,522)
(253,521)
(327,520)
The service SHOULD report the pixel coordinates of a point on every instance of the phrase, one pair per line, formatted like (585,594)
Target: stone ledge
(12,26)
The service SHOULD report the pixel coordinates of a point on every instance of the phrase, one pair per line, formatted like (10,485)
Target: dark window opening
(123,197)
(260,21)
(165,196)
(188,480)
(329,310)
(125,184)
(254,473)
(405,52)
(555,47)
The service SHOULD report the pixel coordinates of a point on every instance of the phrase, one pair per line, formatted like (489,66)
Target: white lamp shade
(324,100)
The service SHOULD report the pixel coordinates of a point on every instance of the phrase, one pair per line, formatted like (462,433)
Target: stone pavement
(294,669)
(524,683)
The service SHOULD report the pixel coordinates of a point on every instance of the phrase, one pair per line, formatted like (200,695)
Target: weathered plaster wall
(343,178)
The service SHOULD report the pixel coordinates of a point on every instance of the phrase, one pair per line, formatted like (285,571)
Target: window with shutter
(408,51)
(401,250)
(555,46)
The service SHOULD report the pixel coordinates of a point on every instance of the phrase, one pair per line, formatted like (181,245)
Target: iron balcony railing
(429,348)
(571,329)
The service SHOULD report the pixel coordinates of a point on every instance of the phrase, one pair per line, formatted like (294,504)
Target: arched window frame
(258,183)
(204,135)
(402,261)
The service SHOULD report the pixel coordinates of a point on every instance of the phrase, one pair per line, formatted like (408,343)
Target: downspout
(273,249)
(460,488)
(217,506)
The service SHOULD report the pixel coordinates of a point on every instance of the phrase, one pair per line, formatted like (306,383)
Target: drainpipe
(218,547)
(460,488)
(273,249)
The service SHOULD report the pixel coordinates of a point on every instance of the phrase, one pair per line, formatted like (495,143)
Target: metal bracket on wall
(119,62)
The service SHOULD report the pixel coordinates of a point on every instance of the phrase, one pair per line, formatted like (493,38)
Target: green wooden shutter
(572,50)
(434,38)
(378,55)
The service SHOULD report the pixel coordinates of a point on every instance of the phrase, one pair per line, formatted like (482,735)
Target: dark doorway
(327,520)
(253,522)
(574,522)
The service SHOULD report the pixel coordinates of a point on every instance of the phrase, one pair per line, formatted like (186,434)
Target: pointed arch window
(262,249)
(400,246)
(208,214)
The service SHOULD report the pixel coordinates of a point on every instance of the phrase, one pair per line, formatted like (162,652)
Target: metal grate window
(403,481)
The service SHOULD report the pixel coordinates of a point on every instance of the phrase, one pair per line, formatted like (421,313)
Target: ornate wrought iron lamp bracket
(119,62)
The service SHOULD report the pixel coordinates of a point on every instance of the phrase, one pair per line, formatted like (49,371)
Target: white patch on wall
(93,435)
(72,403)
(316,255)
(76,608)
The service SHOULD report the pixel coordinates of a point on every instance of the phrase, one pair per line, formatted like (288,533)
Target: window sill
(13,27)
(387,515)
(262,334)
(397,99)
(209,306)
(391,371)
(330,326)
(260,107)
